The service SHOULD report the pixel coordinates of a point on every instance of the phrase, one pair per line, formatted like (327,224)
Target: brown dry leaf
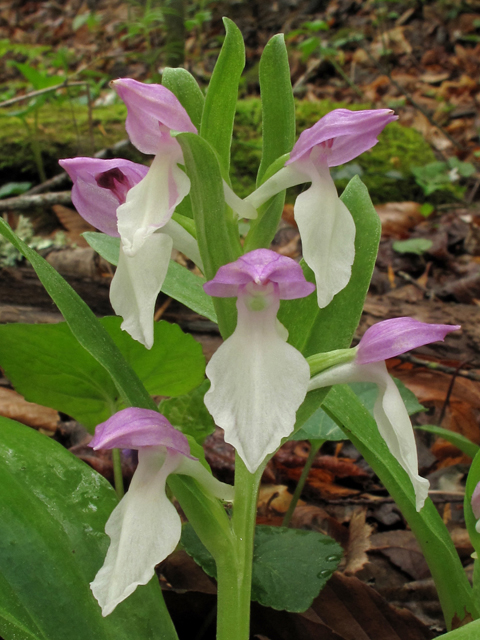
(398,218)
(73,223)
(274,498)
(358,542)
(402,549)
(76,262)
(393,39)
(309,516)
(346,609)
(14,406)
(431,133)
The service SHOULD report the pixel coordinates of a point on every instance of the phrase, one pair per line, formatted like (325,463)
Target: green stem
(117,473)
(234,575)
(314,449)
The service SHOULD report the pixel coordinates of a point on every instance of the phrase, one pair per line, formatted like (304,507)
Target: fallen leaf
(73,223)
(358,542)
(15,407)
(398,218)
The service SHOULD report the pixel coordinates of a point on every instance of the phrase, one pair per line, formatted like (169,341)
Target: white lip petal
(137,283)
(144,529)
(151,203)
(327,231)
(258,383)
(389,412)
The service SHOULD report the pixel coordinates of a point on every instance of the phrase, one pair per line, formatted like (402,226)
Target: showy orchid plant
(286,366)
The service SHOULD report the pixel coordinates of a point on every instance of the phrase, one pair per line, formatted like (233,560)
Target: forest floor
(421,59)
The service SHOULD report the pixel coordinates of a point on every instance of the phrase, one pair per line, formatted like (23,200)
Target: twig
(436,366)
(40,92)
(23,202)
(449,393)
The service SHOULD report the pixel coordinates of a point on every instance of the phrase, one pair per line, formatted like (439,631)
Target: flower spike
(145,527)
(386,340)
(258,381)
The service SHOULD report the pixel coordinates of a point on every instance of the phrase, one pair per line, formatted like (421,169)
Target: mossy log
(64,131)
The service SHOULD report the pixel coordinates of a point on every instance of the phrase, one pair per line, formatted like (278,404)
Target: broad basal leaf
(189,413)
(290,566)
(53,510)
(47,365)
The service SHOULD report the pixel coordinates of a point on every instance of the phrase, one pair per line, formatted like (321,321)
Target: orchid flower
(326,226)
(144,528)
(476,506)
(99,188)
(258,381)
(385,340)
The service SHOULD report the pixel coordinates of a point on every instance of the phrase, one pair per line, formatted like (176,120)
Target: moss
(385,169)
(63,131)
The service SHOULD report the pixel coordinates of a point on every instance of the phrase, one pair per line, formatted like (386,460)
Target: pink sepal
(344,135)
(135,428)
(100,187)
(152,108)
(392,337)
(261,267)
(476,502)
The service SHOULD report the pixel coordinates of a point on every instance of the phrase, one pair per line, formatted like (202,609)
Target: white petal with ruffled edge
(144,529)
(327,231)
(151,203)
(137,283)
(389,412)
(258,383)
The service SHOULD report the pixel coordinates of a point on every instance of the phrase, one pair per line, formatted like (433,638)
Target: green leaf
(62,375)
(470,631)
(14,189)
(184,286)
(180,283)
(290,566)
(414,245)
(278,106)
(106,246)
(461,442)
(473,479)
(428,527)
(278,129)
(319,426)
(53,510)
(222,95)
(38,79)
(313,330)
(189,414)
(214,233)
(84,325)
(185,87)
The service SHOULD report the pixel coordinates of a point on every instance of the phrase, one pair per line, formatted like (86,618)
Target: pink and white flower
(326,226)
(258,381)
(385,340)
(145,527)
